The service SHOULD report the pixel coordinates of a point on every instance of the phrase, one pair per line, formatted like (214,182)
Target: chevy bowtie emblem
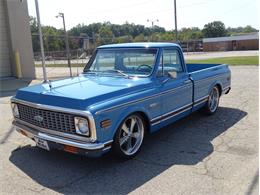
(38,118)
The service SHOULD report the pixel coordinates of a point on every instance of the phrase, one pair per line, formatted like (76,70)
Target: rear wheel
(129,136)
(213,101)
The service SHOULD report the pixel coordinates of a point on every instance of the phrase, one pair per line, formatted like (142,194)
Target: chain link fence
(81,49)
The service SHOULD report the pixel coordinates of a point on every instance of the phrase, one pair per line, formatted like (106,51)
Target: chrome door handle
(165,81)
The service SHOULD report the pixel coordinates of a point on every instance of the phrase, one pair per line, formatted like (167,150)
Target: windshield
(127,62)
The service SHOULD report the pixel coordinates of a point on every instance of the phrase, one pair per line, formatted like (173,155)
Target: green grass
(247,60)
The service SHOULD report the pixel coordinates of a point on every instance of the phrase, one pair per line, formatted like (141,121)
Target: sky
(190,13)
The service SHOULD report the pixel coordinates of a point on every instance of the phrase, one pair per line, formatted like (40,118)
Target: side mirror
(172,74)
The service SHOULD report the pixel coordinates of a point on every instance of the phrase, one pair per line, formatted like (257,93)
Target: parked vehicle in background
(124,92)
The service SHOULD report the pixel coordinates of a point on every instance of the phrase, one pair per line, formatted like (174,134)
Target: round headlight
(15,110)
(82,126)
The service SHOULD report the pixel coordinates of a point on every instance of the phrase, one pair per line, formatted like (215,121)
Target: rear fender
(218,83)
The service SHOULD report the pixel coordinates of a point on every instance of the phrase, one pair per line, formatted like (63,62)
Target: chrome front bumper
(32,133)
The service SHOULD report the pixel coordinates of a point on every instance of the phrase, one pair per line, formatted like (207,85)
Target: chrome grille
(47,119)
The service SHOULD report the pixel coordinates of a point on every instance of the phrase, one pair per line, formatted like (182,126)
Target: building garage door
(5,65)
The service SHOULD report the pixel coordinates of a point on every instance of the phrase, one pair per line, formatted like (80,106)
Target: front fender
(117,117)
(130,110)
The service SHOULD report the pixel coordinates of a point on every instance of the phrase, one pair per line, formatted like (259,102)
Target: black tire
(119,147)
(213,101)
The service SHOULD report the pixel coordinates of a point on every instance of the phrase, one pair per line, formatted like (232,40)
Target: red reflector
(70,149)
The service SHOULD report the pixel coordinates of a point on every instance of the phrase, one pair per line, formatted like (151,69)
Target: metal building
(16,53)
(232,43)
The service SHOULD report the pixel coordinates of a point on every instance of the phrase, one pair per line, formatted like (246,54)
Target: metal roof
(232,38)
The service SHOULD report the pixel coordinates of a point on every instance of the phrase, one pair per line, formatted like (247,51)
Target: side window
(171,61)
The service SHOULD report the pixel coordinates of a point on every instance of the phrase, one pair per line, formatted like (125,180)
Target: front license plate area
(41,143)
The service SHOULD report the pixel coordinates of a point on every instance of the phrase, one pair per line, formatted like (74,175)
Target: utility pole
(66,41)
(41,41)
(175,16)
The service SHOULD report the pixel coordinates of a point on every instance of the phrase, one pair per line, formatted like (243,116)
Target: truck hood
(82,91)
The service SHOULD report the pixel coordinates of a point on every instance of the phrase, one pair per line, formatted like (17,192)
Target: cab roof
(139,45)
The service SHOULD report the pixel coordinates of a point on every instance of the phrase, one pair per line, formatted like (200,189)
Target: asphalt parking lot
(197,155)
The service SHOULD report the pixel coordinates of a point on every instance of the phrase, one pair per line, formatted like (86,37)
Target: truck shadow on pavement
(186,142)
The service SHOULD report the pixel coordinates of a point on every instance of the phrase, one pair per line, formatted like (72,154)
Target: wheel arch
(130,112)
(146,120)
(219,88)
(218,85)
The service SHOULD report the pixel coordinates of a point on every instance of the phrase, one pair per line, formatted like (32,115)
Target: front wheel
(129,137)
(213,101)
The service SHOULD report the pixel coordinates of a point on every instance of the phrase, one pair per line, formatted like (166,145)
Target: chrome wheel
(213,99)
(131,135)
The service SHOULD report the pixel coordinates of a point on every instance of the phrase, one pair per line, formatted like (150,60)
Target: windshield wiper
(96,72)
(121,72)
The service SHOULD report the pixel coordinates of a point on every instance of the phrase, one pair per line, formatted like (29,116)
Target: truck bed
(205,76)
(197,67)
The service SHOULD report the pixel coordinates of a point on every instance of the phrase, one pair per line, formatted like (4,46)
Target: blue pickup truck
(125,91)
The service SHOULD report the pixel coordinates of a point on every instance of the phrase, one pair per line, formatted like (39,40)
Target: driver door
(176,87)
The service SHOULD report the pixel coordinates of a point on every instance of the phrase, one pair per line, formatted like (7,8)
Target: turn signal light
(105,123)
(70,149)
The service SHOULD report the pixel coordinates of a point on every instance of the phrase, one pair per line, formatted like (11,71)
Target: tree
(249,29)
(214,29)
(240,30)
(124,39)
(34,31)
(106,32)
(105,36)
(54,39)
(139,38)
(155,37)
(192,33)
(167,36)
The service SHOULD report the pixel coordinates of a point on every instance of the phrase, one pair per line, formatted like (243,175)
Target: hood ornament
(50,84)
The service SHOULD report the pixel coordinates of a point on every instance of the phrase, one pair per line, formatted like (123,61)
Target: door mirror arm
(170,75)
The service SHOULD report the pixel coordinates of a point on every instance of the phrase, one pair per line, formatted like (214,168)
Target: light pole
(41,41)
(66,40)
(152,21)
(175,17)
